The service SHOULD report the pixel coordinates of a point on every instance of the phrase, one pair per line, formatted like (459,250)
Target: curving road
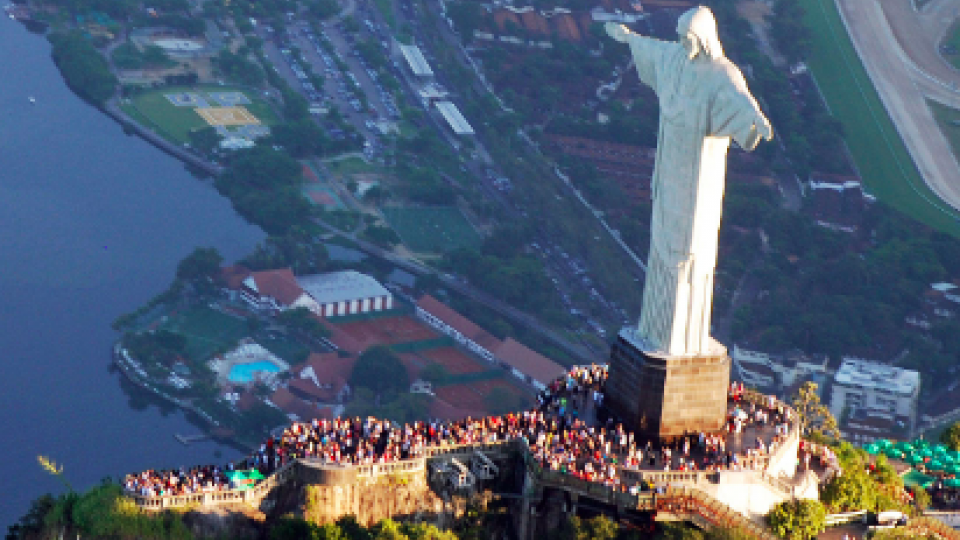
(899,50)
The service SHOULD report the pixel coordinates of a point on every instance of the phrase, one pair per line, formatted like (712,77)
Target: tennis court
(227,116)
(434,229)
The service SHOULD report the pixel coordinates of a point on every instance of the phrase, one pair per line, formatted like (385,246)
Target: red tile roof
(247,400)
(566,26)
(291,404)
(529,362)
(535,23)
(458,322)
(442,410)
(233,276)
(502,16)
(279,284)
(332,373)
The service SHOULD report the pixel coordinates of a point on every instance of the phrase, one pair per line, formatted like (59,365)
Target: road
(578,352)
(898,48)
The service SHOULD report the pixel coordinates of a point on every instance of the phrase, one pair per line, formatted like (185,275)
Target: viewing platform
(753,470)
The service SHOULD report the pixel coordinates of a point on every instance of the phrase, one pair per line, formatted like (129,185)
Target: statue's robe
(704,103)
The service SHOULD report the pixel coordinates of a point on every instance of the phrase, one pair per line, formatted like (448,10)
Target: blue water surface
(244,373)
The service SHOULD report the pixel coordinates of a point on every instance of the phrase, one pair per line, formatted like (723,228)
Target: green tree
(815,417)
(302,321)
(291,529)
(434,373)
(921,499)
(204,140)
(381,235)
(799,519)
(202,264)
(598,528)
(380,370)
(951,436)
(84,69)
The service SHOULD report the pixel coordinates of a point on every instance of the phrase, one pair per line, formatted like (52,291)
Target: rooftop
(529,362)
(872,375)
(341,286)
(453,117)
(418,64)
(279,284)
(458,322)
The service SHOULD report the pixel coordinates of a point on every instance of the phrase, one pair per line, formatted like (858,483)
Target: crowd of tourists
(568,431)
(152,483)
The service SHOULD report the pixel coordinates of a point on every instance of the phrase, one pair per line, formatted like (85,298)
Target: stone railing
(316,470)
(636,476)
(686,502)
(678,503)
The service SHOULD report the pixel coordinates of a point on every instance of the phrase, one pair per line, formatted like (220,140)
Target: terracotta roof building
(461,329)
(527,364)
(295,408)
(323,378)
(275,290)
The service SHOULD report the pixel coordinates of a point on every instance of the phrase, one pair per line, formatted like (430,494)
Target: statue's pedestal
(661,396)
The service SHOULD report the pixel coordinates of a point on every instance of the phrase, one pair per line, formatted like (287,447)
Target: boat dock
(187,439)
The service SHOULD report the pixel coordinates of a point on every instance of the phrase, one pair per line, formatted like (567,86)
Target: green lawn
(175,123)
(207,331)
(352,165)
(434,229)
(291,351)
(888,170)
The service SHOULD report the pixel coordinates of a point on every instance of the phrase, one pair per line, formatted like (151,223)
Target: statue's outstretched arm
(761,129)
(618,32)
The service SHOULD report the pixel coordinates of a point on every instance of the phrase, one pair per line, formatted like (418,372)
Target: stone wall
(372,499)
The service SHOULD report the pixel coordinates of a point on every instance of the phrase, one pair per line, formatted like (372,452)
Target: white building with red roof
(462,330)
(276,290)
(526,364)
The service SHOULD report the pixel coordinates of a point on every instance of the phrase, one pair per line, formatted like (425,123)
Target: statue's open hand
(618,32)
(764,129)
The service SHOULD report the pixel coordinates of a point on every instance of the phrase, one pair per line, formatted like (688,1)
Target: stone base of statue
(663,396)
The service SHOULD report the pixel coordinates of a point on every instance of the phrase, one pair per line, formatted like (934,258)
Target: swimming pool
(244,373)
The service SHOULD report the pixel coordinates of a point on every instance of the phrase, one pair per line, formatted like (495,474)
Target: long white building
(346,293)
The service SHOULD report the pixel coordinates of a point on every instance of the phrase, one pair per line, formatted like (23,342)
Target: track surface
(899,49)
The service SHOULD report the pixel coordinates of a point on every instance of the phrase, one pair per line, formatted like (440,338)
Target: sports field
(207,331)
(435,229)
(887,168)
(176,110)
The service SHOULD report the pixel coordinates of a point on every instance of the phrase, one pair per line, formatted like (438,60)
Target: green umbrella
(872,449)
(926,452)
(952,482)
(884,443)
(893,453)
(953,468)
(935,465)
(904,446)
(244,479)
(940,449)
(920,443)
(914,459)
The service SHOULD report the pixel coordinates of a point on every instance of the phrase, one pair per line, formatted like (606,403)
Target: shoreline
(112,110)
(131,370)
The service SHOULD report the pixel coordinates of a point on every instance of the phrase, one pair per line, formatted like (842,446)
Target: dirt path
(898,47)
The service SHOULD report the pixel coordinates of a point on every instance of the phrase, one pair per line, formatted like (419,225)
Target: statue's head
(698,33)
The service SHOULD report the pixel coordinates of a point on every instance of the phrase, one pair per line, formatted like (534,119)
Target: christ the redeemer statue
(704,102)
